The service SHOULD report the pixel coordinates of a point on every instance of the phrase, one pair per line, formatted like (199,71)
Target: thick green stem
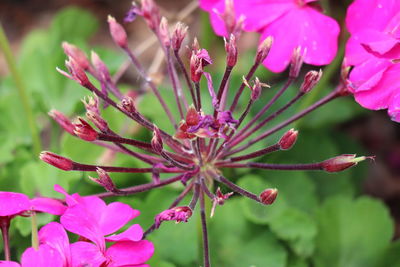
(19,83)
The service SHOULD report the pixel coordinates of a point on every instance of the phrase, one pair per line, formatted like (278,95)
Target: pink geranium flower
(92,219)
(292,23)
(373,49)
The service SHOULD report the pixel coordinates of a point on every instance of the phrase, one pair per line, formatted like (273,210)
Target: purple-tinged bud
(296,61)
(62,120)
(91,103)
(100,67)
(256,89)
(118,33)
(231,51)
(163,32)
(341,162)
(178,36)
(288,139)
(78,55)
(310,81)
(156,141)
(76,73)
(268,196)
(263,49)
(219,199)
(84,131)
(97,120)
(178,214)
(104,180)
(151,13)
(56,160)
(127,104)
(196,68)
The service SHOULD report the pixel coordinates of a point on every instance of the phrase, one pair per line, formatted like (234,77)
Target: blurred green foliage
(319,219)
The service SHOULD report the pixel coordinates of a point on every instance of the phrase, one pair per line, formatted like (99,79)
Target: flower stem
(5,225)
(222,87)
(19,83)
(34,227)
(236,188)
(206,250)
(267,166)
(257,153)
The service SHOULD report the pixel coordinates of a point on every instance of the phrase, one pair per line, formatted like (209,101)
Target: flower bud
(151,13)
(268,196)
(231,51)
(56,160)
(263,49)
(163,32)
(178,214)
(196,69)
(288,139)
(296,62)
(76,73)
(156,141)
(192,116)
(84,131)
(127,104)
(62,120)
(78,55)
(219,199)
(91,103)
(341,162)
(178,36)
(310,80)
(118,33)
(104,180)
(97,120)
(100,67)
(256,89)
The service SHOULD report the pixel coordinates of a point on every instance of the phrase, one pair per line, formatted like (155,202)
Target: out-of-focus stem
(5,225)
(19,83)
(206,250)
(34,227)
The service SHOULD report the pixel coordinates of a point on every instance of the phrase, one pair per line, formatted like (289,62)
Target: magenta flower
(373,49)
(304,26)
(92,219)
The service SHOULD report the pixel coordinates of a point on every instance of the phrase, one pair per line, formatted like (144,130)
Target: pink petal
(79,220)
(45,256)
(86,254)
(394,107)
(304,27)
(48,205)
(130,253)
(54,235)
(211,89)
(115,216)
(134,233)
(385,93)
(68,198)
(365,76)
(209,4)
(13,203)
(355,52)
(370,14)
(9,264)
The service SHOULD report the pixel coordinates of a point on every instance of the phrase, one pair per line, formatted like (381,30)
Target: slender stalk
(34,227)
(206,250)
(242,86)
(267,166)
(91,168)
(222,86)
(195,198)
(5,225)
(165,155)
(186,75)
(121,140)
(299,115)
(23,94)
(175,82)
(198,95)
(237,189)
(256,154)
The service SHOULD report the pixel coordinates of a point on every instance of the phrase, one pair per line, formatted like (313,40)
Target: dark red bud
(127,104)
(97,120)
(63,121)
(268,196)
(296,62)
(78,55)
(288,139)
(77,72)
(56,160)
(156,141)
(341,162)
(118,33)
(178,36)
(104,180)
(192,116)
(311,79)
(263,49)
(231,51)
(84,131)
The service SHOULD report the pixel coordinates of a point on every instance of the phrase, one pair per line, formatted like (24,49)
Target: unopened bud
(127,104)
(219,199)
(78,55)
(231,51)
(341,162)
(97,120)
(192,116)
(256,89)
(151,13)
(196,69)
(178,214)
(310,80)
(156,141)
(178,36)
(268,196)
(77,73)
(118,33)
(62,120)
(91,103)
(56,160)
(100,67)
(263,49)
(288,139)
(84,131)
(104,180)
(296,62)
(163,32)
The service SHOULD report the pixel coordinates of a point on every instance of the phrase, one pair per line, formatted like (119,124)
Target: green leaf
(352,233)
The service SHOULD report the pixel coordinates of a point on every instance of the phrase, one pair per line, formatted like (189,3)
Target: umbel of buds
(198,145)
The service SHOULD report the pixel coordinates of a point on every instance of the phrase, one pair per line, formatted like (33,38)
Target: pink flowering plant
(235,148)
